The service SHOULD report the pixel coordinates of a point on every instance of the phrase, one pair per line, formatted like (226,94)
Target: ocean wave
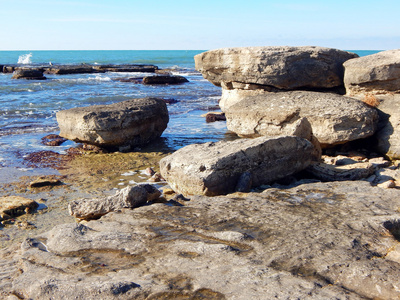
(25,59)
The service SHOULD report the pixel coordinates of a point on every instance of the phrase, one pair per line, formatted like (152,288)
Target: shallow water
(28,108)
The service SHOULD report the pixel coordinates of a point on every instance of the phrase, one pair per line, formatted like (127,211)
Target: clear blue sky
(197,24)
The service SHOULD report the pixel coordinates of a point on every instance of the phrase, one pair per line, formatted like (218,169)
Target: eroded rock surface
(377,73)
(334,119)
(281,67)
(129,197)
(13,206)
(129,123)
(315,241)
(215,168)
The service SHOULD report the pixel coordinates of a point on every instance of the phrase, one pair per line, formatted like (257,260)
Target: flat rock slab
(314,241)
(280,67)
(334,119)
(129,123)
(377,73)
(355,171)
(215,168)
(14,206)
(129,197)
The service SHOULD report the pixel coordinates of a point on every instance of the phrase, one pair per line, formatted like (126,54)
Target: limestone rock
(376,73)
(388,133)
(314,241)
(334,119)
(14,206)
(281,67)
(31,74)
(129,197)
(215,168)
(128,123)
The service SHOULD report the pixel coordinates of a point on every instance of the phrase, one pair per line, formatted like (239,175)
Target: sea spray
(25,59)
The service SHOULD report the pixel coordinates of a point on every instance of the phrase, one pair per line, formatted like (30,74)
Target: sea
(28,108)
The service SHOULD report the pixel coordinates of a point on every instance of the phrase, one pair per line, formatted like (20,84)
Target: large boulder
(281,67)
(335,119)
(377,73)
(216,168)
(125,124)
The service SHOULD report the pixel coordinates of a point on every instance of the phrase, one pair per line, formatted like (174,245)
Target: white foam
(25,59)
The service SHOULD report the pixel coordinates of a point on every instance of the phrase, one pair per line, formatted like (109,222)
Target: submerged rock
(215,168)
(281,67)
(334,119)
(125,124)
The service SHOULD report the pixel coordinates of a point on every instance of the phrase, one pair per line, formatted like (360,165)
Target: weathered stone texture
(215,168)
(314,241)
(132,123)
(281,67)
(377,73)
(334,119)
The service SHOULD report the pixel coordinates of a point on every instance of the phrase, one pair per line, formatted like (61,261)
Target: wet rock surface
(28,73)
(14,206)
(313,241)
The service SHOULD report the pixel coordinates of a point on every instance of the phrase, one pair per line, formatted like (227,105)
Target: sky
(197,24)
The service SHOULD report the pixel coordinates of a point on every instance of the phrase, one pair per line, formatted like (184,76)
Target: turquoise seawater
(28,108)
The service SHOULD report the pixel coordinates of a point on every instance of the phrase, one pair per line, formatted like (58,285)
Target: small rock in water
(149,172)
(213,117)
(156,178)
(43,181)
(53,140)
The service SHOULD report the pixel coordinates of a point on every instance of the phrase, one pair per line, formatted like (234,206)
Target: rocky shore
(302,204)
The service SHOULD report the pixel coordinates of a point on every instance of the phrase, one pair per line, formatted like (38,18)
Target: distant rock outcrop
(125,124)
